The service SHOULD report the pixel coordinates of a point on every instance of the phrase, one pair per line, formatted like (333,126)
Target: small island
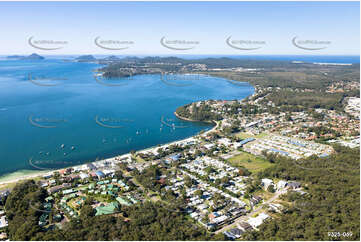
(85,58)
(33,56)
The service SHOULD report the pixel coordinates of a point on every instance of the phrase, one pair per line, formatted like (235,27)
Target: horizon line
(112,54)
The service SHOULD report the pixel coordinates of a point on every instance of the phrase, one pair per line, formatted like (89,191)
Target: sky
(256,28)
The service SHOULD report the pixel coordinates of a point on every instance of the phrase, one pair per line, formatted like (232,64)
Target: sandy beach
(31,174)
(20,175)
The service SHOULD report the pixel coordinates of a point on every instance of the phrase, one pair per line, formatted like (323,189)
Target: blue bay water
(99,121)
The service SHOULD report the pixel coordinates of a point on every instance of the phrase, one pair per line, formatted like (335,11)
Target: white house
(257,221)
(220,219)
(83,176)
(209,146)
(281,184)
(194,215)
(266,182)
(225,141)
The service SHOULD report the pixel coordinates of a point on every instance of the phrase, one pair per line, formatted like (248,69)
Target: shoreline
(191,120)
(22,175)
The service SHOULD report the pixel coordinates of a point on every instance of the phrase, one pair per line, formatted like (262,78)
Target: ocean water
(55,114)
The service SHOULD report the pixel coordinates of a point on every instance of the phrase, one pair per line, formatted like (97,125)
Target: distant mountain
(111,58)
(85,58)
(15,56)
(131,59)
(158,59)
(33,56)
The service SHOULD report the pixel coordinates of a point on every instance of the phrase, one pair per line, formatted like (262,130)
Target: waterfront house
(47,176)
(91,166)
(100,174)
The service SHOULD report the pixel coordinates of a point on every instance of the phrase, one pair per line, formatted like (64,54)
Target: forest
(199,113)
(331,204)
(146,221)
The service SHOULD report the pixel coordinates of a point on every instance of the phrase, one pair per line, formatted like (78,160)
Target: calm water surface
(69,118)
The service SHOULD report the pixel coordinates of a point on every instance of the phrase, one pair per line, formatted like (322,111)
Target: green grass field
(253,163)
(244,135)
